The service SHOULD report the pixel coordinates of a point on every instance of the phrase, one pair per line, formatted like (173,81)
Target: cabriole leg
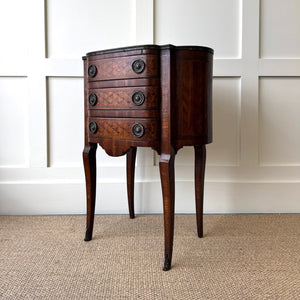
(130,166)
(166,166)
(200,159)
(89,161)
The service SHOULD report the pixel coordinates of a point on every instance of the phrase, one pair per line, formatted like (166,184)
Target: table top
(158,47)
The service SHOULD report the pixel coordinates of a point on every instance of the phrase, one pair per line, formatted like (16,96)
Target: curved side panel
(193,100)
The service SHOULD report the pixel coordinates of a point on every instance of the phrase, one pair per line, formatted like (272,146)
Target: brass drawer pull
(93,127)
(138,66)
(138,130)
(92,71)
(93,99)
(138,98)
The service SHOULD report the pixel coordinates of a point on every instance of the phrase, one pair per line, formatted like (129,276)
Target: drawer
(123,129)
(126,67)
(124,98)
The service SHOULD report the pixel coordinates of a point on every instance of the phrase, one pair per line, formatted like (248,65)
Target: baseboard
(220,197)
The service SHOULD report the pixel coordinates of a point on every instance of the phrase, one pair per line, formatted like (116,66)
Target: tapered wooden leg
(166,166)
(200,159)
(130,166)
(89,161)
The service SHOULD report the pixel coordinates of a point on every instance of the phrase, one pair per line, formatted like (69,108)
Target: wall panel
(279,121)
(280,29)
(65,121)
(77,27)
(13,121)
(253,163)
(225,149)
(199,22)
(14,31)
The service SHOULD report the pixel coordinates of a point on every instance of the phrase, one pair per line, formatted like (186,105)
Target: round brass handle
(93,99)
(138,66)
(138,130)
(138,98)
(92,71)
(93,127)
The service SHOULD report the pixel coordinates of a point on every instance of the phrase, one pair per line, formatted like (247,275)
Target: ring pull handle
(93,99)
(92,71)
(138,130)
(138,98)
(138,66)
(93,127)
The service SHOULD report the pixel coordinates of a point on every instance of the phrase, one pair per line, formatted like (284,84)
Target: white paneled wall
(280,29)
(215,23)
(64,131)
(253,164)
(14,31)
(14,122)
(75,27)
(279,123)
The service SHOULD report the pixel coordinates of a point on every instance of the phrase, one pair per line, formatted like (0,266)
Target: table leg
(89,161)
(200,159)
(166,166)
(130,167)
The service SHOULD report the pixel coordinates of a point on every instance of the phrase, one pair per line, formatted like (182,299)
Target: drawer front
(123,129)
(124,98)
(126,67)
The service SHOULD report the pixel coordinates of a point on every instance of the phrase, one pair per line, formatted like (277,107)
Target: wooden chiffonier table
(148,96)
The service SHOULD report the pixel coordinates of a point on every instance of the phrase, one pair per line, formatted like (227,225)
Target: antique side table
(148,96)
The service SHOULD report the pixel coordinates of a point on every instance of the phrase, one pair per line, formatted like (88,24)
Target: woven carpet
(240,257)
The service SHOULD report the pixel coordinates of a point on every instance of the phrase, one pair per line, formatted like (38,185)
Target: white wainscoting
(253,164)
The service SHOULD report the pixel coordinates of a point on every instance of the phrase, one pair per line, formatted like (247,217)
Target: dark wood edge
(124,83)
(143,47)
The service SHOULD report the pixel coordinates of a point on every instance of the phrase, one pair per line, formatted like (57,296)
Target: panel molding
(249,186)
(111,173)
(238,124)
(37,87)
(144,21)
(14,132)
(279,24)
(183,26)
(292,82)
(279,67)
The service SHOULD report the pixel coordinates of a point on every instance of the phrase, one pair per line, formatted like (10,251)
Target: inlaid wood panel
(122,67)
(114,128)
(122,98)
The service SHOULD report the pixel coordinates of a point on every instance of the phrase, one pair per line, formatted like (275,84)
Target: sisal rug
(240,257)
